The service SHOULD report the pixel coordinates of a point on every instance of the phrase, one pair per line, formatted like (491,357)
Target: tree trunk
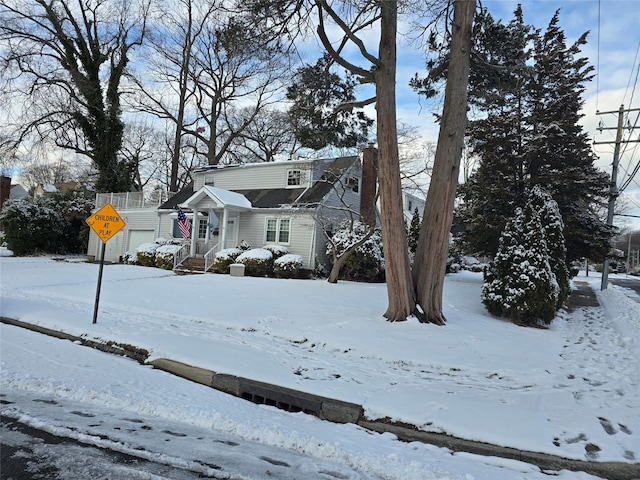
(433,244)
(397,265)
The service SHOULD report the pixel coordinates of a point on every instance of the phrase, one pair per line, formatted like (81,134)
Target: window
(294,178)
(272,228)
(353,184)
(202,229)
(278,230)
(283,233)
(208,180)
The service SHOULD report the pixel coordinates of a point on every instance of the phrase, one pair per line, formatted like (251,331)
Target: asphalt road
(27,453)
(632,283)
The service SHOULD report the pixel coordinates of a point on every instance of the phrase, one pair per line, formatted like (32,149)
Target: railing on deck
(132,200)
(210,256)
(181,255)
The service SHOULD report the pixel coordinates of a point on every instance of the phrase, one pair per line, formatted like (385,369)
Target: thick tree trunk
(433,244)
(397,265)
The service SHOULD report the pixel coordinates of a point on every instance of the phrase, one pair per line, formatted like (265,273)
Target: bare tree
(65,59)
(234,66)
(164,87)
(431,257)
(269,136)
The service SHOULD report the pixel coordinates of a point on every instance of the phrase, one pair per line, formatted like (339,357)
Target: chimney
(368,185)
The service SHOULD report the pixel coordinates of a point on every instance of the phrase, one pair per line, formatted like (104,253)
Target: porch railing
(210,257)
(181,255)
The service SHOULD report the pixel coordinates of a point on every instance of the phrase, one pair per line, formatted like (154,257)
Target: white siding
(146,219)
(252,229)
(254,175)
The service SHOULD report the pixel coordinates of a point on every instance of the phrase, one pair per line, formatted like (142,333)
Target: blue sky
(613,46)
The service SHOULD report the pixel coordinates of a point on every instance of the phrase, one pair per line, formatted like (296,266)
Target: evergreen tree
(549,212)
(519,282)
(317,92)
(526,89)
(558,154)
(414,231)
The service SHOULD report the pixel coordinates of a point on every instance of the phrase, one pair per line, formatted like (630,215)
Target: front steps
(191,266)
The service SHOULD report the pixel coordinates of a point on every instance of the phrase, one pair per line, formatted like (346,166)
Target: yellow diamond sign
(106,222)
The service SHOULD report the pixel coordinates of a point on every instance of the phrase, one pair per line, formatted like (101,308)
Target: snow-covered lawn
(571,390)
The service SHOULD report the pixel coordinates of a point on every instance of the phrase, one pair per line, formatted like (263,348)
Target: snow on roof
(225,197)
(48,187)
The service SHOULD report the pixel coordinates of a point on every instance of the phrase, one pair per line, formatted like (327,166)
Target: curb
(338,411)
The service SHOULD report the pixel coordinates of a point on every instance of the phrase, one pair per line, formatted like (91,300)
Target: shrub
(33,226)
(165,254)
(288,266)
(277,250)
(130,258)
(258,262)
(146,254)
(519,282)
(365,263)
(224,258)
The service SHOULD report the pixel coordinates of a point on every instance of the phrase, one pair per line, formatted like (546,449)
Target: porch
(223,210)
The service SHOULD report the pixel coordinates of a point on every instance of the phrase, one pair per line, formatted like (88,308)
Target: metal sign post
(106,222)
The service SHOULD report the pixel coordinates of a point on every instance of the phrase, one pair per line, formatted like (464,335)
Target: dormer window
(294,178)
(353,184)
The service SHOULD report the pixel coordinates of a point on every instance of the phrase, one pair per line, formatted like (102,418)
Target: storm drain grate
(288,400)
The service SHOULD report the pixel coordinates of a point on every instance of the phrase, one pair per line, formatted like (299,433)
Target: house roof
(331,174)
(272,198)
(178,199)
(222,198)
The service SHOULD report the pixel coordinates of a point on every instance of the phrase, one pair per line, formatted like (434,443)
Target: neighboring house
(48,189)
(277,203)
(410,202)
(18,191)
(44,190)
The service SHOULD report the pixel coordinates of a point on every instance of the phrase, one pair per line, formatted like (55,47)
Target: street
(46,438)
(632,283)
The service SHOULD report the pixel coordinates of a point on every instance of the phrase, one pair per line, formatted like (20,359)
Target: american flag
(184,224)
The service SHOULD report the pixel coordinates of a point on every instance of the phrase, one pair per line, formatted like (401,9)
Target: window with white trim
(202,229)
(294,178)
(278,230)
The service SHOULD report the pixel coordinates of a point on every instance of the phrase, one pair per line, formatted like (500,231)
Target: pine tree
(526,87)
(519,282)
(414,231)
(549,212)
(558,154)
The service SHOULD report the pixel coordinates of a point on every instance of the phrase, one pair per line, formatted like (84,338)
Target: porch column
(194,232)
(225,219)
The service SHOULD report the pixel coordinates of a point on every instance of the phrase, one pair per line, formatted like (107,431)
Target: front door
(231,236)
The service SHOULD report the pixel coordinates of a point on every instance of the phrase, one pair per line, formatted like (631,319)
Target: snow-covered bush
(519,282)
(130,258)
(258,262)
(244,245)
(287,266)
(276,250)
(366,262)
(47,224)
(224,258)
(33,226)
(146,254)
(165,254)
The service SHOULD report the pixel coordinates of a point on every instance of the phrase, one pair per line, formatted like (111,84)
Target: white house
(277,203)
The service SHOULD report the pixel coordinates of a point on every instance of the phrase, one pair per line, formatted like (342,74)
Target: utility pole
(613,188)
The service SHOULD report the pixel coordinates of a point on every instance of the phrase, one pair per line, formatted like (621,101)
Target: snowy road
(53,434)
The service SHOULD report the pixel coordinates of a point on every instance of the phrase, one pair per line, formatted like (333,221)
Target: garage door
(138,237)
